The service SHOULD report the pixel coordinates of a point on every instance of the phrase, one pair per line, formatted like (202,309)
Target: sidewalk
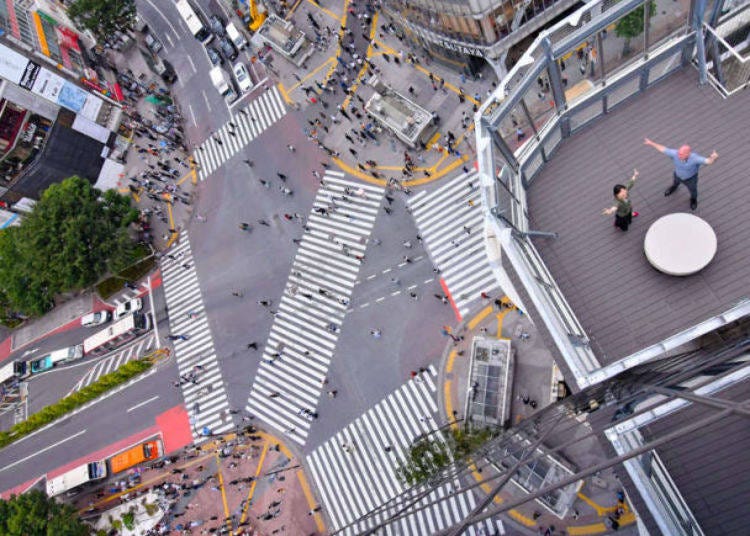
(246,484)
(534,379)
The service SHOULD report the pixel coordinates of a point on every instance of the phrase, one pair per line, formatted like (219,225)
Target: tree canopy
(103,17)
(35,514)
(631,25)
(73,236)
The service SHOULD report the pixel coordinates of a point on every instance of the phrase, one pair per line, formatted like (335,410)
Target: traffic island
(498,373)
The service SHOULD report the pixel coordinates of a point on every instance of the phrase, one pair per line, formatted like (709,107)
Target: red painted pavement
(447,292)
(172,426)
(175,428)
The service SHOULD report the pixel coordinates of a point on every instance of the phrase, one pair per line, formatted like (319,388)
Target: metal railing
(567,79)
(727,69)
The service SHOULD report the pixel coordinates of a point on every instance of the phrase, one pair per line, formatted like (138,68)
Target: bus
(88,472)
(116,334)
(150,450)
(9,372)
(193,21)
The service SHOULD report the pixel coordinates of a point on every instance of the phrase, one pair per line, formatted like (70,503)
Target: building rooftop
(622,302)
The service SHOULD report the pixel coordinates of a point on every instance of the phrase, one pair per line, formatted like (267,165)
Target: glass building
(466,34)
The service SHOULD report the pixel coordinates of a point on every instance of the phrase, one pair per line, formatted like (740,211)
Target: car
(217,25)
(128,307)
(214,56)
(92,320)
(153,44)
(242,77)
(228,49)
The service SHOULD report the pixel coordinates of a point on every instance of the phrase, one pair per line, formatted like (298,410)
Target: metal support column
(646,26)
(499,142)
(696,23)
(555,78)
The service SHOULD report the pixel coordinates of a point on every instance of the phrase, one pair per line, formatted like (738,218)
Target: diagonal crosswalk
(260,113)
(206,398)
(114,361)
(309,315)
(451,223)
(355,470)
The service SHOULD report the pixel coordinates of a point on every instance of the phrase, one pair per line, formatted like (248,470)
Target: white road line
(205,98)
(141,404)
(190,60)
(43,450)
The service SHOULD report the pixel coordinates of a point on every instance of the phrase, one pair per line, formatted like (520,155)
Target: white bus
(193,21)
(116,334)
(69,480)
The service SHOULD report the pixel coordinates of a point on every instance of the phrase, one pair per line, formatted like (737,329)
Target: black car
(228,49)
(217,25)
(214,56)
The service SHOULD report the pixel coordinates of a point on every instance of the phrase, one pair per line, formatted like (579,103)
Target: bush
(128,519)
(60,408)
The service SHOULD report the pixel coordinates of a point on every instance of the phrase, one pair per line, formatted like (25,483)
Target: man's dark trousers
(690,183)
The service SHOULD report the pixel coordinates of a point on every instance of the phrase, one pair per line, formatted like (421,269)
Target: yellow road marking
(308,75)
(481,315)
(292,10)
(284,93)
(449,402)
(251,491)
(433,140)
(518,516)
(328,11)
(600,510)
(193,169)
(173,236)
(227,516)
(310,500)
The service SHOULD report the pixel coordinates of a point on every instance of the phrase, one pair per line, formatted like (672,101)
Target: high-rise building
(467,33)
(43,27)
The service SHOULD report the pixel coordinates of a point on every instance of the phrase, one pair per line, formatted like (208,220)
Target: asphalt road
(96,427)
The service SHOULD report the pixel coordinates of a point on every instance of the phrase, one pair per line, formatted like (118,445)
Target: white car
(128,307)
(243,78)
(92,320)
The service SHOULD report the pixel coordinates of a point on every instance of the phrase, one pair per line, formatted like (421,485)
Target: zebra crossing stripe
(206,401)
(262,112)
(443,217)
(316,297)
(355,482)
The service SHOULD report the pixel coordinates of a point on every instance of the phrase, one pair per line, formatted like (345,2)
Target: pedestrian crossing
(261,112)
(309,315)
(451,222)
(206,398)
(355,470)
(114,361)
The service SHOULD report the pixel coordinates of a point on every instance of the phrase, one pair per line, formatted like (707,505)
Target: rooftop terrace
(622,303)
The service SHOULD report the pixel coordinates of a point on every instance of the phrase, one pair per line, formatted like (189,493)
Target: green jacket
(625,206)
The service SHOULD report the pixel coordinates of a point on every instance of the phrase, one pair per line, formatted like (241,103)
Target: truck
(88,472)
(52,359)
(221,82)
(150,450)
(193,21)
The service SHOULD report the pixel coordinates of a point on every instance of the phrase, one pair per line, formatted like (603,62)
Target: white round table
(680,244)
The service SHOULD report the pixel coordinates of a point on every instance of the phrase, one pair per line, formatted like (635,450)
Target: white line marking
(412,287)
(205,98)
(429,280)
(40,451)
(364,305)
(373,276)
(190,60)
(142,404)
(380,299)
(387,270)
(396,293)
(192,115)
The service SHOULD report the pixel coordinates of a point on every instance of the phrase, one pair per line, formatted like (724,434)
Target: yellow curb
(432,140)
(600,510)
(310,500)
(518,516)
(173,236)
(481,315)
(193,169)
(449,403)
(451,359)
(292,10)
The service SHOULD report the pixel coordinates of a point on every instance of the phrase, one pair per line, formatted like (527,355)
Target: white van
(92,320)
(236,37)
(66,355)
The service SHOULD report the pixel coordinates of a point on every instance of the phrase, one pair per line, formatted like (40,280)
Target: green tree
(35,514)
(73,236)
(103,17)
(631,25)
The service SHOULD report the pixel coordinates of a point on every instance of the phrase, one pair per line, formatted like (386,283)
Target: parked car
(217,25)
(92,320)
(214,56)
(228,49)
(128,307)
(153,44)
(242,77)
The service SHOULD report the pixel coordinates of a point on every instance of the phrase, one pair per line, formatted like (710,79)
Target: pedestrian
(332,394)
(623,207)
(686,165)
(248,162)
(281,176)
(291,148)
(264,222)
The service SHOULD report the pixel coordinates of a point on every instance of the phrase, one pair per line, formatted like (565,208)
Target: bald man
(686,165)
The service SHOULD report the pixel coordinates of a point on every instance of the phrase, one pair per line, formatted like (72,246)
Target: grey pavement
(59,316)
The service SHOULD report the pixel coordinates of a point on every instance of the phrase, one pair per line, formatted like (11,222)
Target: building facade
(466,34)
